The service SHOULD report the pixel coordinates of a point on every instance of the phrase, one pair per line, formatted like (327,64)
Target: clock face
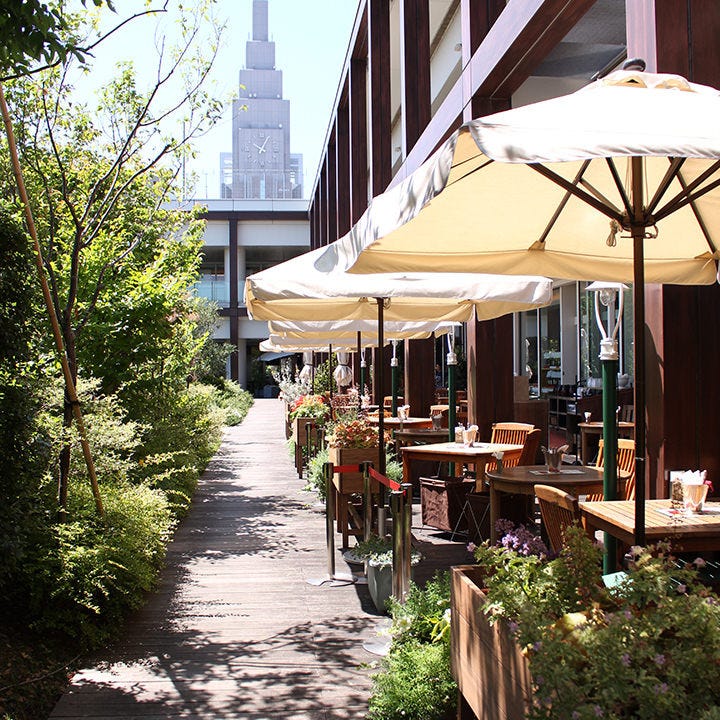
(263,148)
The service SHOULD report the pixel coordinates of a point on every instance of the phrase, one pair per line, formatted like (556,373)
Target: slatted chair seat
(625,463)
(558,510)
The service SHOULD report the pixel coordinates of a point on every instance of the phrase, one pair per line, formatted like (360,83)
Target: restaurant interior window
(550,367)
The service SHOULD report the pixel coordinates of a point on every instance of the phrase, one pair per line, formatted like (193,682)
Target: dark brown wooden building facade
(401,93)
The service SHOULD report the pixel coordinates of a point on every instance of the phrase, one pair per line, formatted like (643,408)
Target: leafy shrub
(415,684)
(415,681)
(316,474)
(233,400)
(98,569)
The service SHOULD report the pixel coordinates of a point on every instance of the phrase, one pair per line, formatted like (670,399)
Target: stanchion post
(407,539)
(308,429)
(330,518)
(397,509)
(367,505)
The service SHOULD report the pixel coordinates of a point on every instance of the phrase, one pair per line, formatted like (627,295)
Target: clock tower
(262,164)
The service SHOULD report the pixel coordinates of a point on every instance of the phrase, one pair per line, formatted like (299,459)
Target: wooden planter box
(352,482)
(349,519)
(492,674)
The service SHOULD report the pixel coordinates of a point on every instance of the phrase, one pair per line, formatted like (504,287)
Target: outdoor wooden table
(625,429)
(394,422)
(451,452)
(521,480)
(685,533)
(420,436)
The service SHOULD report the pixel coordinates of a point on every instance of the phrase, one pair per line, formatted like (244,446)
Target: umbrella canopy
(321,329)
(483,201)
(619,181)
(299,289)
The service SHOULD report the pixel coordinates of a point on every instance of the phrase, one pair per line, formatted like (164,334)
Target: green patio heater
(609,295)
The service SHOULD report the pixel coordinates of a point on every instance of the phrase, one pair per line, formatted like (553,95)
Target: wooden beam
(332,189)
(414,70)
(380,108)
(358,138)
(342,133)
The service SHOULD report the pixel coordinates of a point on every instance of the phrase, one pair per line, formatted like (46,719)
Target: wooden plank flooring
(234,631)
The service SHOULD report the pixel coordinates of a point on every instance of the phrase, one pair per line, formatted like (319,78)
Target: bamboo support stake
(69,382)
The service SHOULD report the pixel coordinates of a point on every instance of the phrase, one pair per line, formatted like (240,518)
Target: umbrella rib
(684,197)
(619,185)
(699,218)
(474,170)
(563,203)
(603,207)
(673,171)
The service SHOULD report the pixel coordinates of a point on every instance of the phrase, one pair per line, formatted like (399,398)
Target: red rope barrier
(384,480)
(346,468)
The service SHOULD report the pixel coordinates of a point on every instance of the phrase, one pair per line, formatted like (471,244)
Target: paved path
(234,630)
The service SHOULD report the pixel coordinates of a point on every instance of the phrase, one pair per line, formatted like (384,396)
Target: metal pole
(308,429)
(407,539)
(379,378)
(367,505)
(397,508)
(361,360)
(330,518)
(395,375)
(638,234)
(609,379)
(452,392)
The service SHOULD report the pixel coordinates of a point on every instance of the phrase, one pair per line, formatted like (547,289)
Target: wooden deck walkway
(234,631)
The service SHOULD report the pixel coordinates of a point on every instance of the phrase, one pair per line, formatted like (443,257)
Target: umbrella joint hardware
(616,227)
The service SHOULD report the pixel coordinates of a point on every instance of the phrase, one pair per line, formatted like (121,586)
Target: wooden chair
(625,463)
(528,456)
(510,433)
(558,510)
(627,413)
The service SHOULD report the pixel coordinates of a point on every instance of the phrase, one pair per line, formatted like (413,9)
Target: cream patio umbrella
(299,290)
(619,181)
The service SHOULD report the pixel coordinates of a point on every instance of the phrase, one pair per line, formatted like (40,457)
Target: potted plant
(578,649)
(379,555)
(307,409)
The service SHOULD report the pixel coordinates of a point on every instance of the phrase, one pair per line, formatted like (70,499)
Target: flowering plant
(309,406)
(629,651)
(354,433)
(291,387)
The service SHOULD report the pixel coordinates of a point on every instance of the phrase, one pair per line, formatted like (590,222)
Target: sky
(311,38)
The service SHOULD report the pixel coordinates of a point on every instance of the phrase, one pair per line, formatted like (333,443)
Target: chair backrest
(627,413)
(530,447)
(558,510)
(512,433)
(625,463)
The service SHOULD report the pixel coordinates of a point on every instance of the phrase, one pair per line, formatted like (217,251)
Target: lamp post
(394,379)
(452,393)
(606,294)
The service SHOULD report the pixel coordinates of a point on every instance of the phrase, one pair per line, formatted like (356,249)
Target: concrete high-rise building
(262,166)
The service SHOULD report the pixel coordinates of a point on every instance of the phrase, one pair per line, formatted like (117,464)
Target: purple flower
(575,715)
(681,588)
(661,689)
(513,627)
(699,562)
(625,659)
(598,711)
(539,680)
(659,660)
(471,547)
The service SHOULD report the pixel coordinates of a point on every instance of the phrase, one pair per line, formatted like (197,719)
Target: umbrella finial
(635,64)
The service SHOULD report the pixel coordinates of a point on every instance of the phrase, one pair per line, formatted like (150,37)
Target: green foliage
(626,652)
(233,400)
(208,365)
(97,570)
(425,614)
(415,681)
(34,31)
(316,474)
(323,375)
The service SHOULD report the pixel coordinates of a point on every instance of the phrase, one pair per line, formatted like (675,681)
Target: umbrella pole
(360,360)
(638,235)
(330,373)
(394,373)
(379,378)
